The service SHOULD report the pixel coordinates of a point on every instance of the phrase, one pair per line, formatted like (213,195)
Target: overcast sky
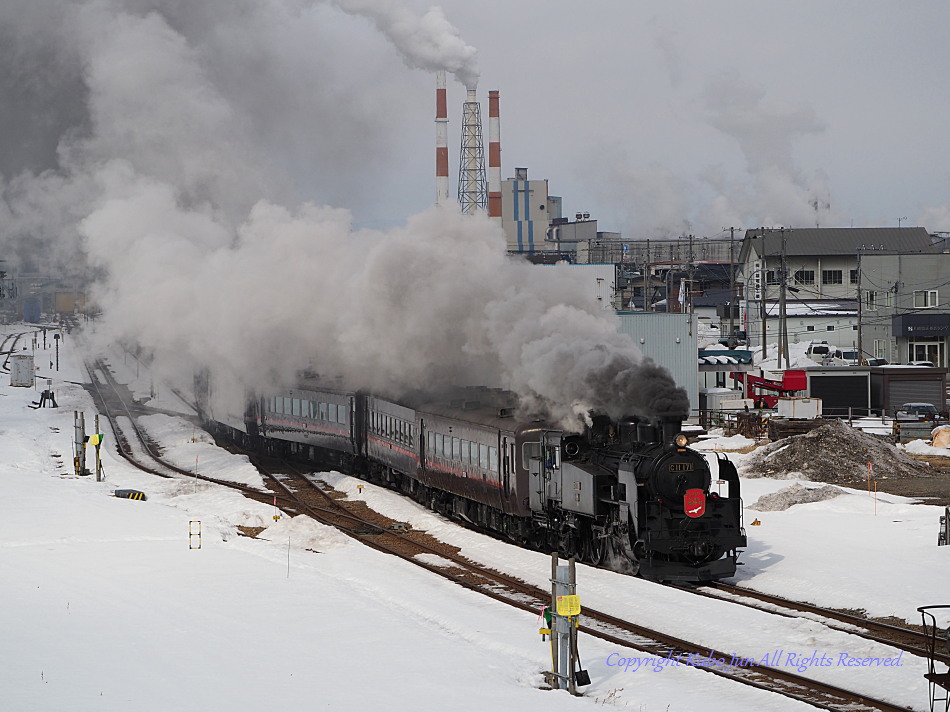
(656,118)
(693,116)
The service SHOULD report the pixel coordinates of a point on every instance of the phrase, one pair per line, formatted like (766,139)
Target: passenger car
(917,411)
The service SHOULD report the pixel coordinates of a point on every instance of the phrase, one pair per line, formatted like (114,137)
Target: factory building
(526,212)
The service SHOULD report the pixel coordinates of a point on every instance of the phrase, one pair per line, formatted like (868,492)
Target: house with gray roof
(822,281)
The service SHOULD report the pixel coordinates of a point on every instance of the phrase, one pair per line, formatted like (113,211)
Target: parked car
(876,362)
(845,357)
(921,363)
(917,411)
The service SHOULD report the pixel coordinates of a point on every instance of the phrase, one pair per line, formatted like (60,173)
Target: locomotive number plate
(681,467)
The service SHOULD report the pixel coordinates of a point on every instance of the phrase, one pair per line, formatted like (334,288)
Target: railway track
(8,348)
(295,493)
(901,637)
(386,535)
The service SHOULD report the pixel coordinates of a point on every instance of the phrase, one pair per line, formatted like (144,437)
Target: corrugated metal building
(670,340)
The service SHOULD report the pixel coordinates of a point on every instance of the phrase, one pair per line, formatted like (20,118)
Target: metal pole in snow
(554,622)
(571,630)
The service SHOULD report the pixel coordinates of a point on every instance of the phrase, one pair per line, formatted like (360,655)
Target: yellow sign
(568,605)
(756,523)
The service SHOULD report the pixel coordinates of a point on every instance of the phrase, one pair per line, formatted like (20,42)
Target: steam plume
(168,174)
(429,42)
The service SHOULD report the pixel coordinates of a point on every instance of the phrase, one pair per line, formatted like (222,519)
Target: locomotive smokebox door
(694,503)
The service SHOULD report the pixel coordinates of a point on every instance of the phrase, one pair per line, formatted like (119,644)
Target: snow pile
(833,453)
(795,494)
(734,442)
(925,449)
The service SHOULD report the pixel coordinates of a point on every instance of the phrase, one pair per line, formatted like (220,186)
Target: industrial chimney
(441,141)
(494,157)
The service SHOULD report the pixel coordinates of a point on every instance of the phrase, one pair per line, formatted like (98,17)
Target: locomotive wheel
(595,549)
(568,546)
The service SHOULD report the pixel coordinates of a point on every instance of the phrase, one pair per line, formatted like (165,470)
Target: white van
(845,357)
(818,350)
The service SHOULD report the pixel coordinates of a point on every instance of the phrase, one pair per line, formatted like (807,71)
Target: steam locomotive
(627,494)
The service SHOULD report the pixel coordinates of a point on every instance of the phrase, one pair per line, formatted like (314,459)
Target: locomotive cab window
(530,451)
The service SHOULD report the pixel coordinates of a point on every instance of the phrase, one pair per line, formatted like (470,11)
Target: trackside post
(565,614)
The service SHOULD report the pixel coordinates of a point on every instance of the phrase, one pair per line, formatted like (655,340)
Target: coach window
(440,444)
(456,449)
(493,459)
(483,456)
(344,414)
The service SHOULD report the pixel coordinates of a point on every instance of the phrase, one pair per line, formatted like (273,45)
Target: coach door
(505,468)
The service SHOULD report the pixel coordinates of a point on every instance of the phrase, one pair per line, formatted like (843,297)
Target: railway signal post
(565,610)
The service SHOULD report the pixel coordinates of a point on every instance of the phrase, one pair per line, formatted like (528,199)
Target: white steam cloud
(428,42)
(162,168)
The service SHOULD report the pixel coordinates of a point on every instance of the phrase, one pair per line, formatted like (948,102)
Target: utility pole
(732,288)
(783,319)
(764,279)
(860,340)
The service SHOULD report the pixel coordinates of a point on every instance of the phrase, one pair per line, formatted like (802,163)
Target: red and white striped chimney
(441,141)
(494,157)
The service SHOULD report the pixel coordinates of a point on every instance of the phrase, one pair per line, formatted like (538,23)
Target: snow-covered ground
(106,606)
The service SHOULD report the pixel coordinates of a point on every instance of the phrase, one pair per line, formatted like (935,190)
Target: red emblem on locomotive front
(694,503)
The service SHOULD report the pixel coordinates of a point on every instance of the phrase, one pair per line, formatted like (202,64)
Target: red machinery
(766,391)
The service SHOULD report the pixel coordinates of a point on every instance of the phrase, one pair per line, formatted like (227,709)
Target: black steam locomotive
(630,494)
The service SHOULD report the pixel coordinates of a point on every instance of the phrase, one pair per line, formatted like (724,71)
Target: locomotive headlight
(680,440)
